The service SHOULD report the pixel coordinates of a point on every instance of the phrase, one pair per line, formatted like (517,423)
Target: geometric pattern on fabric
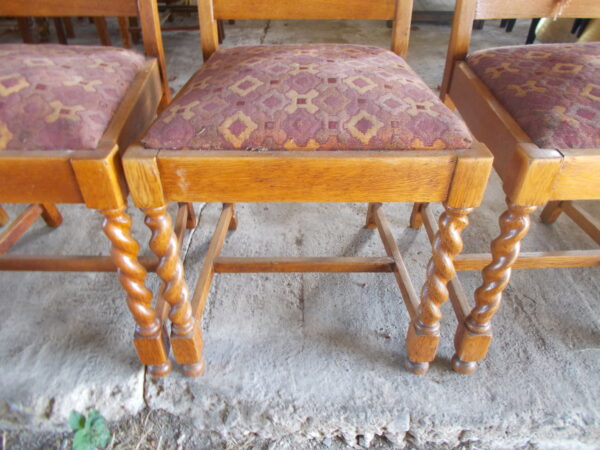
(61,97)
(307,97)
(551,90)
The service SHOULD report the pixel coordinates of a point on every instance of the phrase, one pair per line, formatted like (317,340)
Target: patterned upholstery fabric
(60,97)
(552,90)
(307,97)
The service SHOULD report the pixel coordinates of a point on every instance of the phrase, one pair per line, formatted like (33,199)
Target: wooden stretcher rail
(302,265)
(76,263)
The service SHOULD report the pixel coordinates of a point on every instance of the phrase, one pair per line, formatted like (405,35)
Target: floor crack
(192,232)
(265,31)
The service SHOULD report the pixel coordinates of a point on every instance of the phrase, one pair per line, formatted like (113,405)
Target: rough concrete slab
(299,360)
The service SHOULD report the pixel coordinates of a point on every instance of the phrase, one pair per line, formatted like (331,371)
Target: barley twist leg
(150,341)
(424,332)
(473,337)
(186,337)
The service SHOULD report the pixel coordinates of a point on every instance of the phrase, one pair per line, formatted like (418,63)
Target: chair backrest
(466,11)
(145,10)
(399,11)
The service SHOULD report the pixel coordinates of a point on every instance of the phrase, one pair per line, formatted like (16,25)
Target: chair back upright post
(400,11)
(146,10)
(467,11)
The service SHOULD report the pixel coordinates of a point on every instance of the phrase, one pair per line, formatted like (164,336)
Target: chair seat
(61,97)
(552,90)
(307,97)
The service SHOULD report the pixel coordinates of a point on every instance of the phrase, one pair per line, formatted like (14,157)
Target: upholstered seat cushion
(307,97)
(552,90)
(60,97)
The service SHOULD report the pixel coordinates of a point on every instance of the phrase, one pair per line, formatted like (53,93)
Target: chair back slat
(528,9)
(68,8)
(400,11)
(304,9)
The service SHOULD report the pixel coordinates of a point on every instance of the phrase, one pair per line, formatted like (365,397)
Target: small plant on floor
(91,433)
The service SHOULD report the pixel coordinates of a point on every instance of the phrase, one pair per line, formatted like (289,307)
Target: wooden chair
(224,139)
(543,152)
(66,113)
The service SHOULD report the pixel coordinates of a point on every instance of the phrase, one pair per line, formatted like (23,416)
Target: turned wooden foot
(424,332)
(474,335)
(416,216)
(186,337)
(3,216)
(51,215)
(194,370)
(150,342)
(551,212)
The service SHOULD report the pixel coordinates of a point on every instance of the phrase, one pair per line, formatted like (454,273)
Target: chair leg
(416,216)
(370,223)
(424,332)
(473,337)
(551,212)
(3,216)
(186,336)
(192,219)
(150,340)
(51,215)
(233,223)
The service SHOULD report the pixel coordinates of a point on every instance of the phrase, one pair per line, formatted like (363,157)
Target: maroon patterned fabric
(61,97)
(307,97)
(552,90)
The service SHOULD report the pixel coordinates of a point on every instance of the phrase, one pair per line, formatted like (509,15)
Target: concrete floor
(302,361)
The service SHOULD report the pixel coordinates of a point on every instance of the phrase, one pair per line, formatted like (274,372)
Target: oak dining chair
(306,123)
(66,114)
(537,108)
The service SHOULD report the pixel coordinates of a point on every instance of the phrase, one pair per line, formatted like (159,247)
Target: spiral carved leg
(473,337)
(186,337)
(424,332)
(416,217)
(150,342)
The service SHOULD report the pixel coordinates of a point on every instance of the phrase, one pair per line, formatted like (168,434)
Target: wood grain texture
(307,9)
(470,177)
(66,8)
(186,339)
(303,265)
(474,334)
(409,295)
(70,263)
(233,176)
(143,177)
(503,9)
(209,33)
(18,227)
(578,177)
(132,275)
(424,331)
(401,27)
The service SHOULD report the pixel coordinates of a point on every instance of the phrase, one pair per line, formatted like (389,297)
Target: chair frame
(93,177)
(531,176)
(156,177)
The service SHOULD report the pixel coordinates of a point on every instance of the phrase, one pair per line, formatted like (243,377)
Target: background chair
(537,108)
(303,123)
(66,113)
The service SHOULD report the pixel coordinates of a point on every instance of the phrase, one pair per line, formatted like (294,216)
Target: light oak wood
(303,265)
(93,177)
(4,217)
(18,227)
(238,176)
(531,176)
(308,9)
(458,177)
(68,8)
